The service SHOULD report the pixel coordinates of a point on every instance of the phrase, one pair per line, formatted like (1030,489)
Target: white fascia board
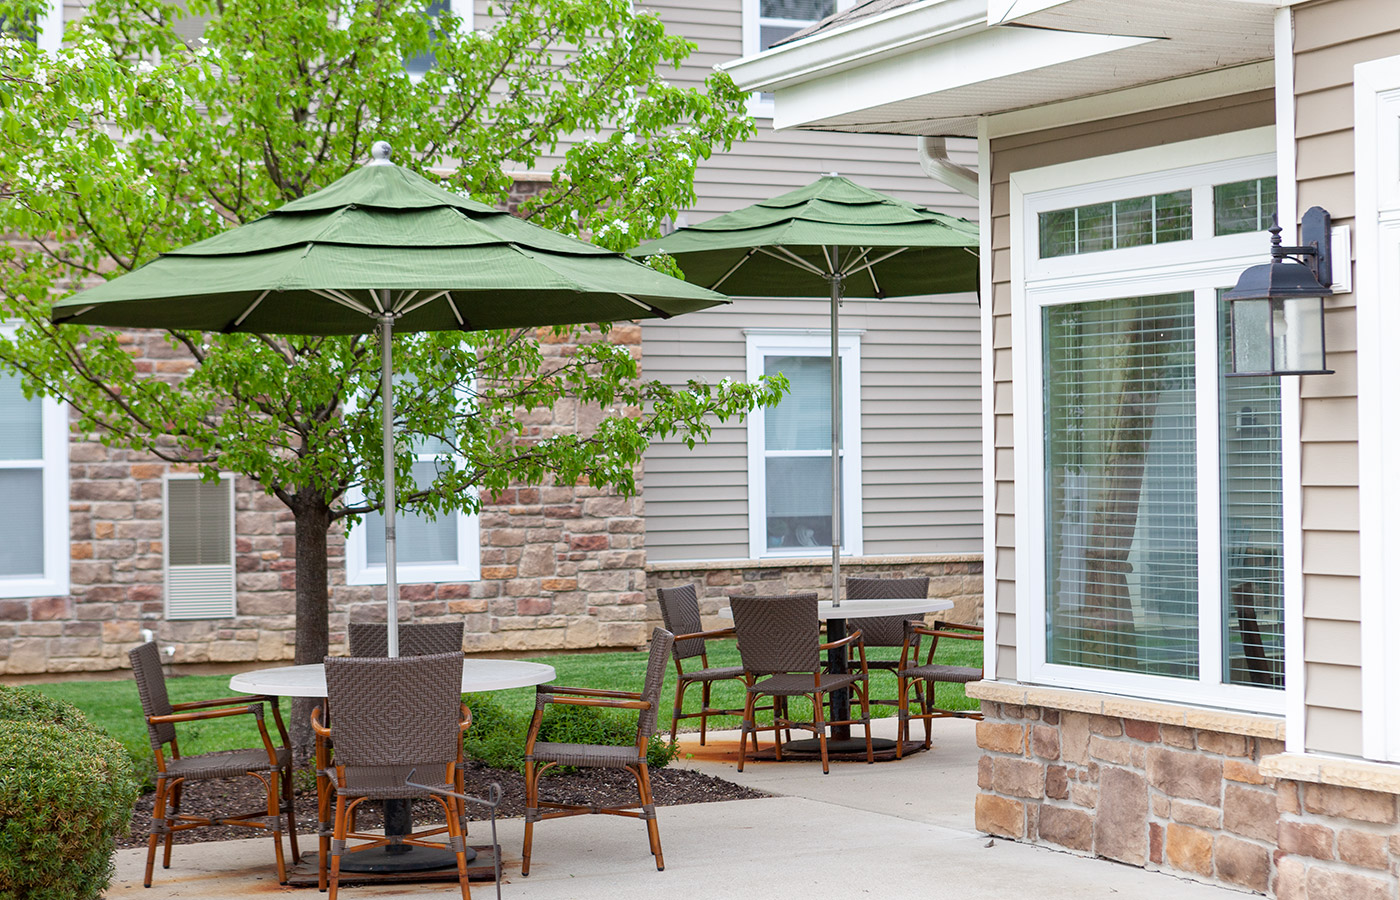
(986,56)
(889,34)
(1002,11)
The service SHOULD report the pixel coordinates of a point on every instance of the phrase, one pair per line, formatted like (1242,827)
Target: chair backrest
(150,684)
(680,610)
(368,639)
(661,643)
(777,634)
(392,714)
(883,631)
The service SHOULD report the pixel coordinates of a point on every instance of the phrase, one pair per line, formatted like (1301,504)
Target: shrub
(66,792)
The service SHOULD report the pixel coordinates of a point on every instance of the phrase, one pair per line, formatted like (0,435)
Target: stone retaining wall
(1190,801)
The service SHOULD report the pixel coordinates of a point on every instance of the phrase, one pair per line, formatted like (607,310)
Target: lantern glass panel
(1249,321)
(1297,329)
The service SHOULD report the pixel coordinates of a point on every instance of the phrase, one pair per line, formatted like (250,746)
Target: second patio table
(836,660)
(478,676)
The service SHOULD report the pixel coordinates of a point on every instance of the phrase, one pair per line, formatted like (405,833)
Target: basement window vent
(199,569)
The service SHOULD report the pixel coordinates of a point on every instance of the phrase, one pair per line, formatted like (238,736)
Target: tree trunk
(313,522)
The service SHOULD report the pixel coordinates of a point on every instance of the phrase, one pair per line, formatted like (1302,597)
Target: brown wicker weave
(888,631)
(269,764)
(418,639)
(540,756)
(780,637)
(680,610)
(917,676)
(393,716)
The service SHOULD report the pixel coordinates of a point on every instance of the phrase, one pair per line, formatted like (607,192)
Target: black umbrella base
(482,867)
(849,750)
(389,859)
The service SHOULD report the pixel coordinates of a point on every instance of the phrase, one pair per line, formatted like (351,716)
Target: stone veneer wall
(1186,800)
(956,577)
(562,566)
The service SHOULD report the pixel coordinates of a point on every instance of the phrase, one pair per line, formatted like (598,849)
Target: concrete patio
(895,829)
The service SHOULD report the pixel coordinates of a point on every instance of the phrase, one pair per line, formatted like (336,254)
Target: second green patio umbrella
(383,248)
(832,237)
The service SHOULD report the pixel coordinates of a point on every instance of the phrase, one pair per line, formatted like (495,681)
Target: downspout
(933,157)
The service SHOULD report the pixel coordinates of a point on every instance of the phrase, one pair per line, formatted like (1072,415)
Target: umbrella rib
(249,311)
(793,259)
(657,311)
(452,305)
(343,300)
(404,299)
(875,262)
(745,258)
(403,311)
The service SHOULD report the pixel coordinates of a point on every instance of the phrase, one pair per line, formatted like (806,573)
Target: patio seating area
(814,828)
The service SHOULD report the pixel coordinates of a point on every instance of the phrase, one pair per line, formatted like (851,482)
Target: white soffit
(863,79)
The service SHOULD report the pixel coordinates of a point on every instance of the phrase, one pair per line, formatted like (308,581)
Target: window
(1246,206)
(421,63)
(199,560)
(447,548)
(1153,482)
(34,482)
(768,21)
(790,446)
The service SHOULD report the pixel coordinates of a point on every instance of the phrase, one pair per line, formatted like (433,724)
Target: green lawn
(114,704)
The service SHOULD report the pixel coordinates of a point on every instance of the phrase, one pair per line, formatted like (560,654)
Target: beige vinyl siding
(920,435)
(1330,38)
(1044,148)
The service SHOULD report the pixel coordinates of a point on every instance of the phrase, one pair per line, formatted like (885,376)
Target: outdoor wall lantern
(1276,309)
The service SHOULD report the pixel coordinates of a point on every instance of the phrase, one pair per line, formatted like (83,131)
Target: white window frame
(50,36)
(178,616)
(358,570)
(1377,101)
(752,23)
(54,471)
(762,342)
(1200,266)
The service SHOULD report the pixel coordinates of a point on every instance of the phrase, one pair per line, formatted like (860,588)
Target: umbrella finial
(381,151)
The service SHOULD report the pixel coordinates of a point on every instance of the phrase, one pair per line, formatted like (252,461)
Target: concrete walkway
(892,830)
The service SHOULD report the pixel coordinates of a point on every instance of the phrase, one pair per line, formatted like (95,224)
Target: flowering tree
(133,140)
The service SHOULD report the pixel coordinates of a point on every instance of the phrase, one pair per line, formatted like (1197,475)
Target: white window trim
(228,479)
(1377,108)
(358,570)
(54,445)
(807,342)
(1200,266)
(50,36)
(751,22)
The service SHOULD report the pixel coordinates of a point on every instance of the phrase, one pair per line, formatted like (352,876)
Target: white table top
(859,609)
(310,681)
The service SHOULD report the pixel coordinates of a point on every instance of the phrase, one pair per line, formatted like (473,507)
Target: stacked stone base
(1192,801)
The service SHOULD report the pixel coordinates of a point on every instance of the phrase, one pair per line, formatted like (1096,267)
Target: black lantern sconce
(1276,309)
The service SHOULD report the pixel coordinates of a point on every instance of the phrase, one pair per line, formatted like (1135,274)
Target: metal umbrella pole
(391,574)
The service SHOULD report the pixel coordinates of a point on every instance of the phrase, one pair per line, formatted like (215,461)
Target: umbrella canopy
(383,248)
(832,236)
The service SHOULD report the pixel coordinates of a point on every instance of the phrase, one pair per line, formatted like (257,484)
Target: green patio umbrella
(831,237)
(383,247)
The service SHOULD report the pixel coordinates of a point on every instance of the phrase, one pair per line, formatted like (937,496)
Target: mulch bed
(671,787)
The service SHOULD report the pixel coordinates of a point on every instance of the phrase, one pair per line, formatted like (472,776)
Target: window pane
(22,526)
(802,420)
(21,420)
(200,532)
(799,501)
(807,10)
(1133,222)
(1245,206)
(420,540)
(1121,485)
(421,63)
(1251,509)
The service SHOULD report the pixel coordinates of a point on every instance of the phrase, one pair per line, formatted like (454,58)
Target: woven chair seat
(387,782)
(716,674)
(590,755)
(224,764)
(956,674)
(797,684)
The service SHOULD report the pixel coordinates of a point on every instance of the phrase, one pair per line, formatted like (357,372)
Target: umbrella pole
(391,579)
(836,284)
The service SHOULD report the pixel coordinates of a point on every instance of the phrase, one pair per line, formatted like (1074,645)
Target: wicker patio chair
(269,764)
(780,645)
(931,674)
(680,610)
(368,639)
(888,631)
(540,756)
(393,717)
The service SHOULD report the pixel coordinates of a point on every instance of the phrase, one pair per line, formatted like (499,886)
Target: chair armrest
(243,700)
(587,692)
(938,633)
(255,709)
(852,637)
(705,635)
(466,719)
(321,731)
(544,699)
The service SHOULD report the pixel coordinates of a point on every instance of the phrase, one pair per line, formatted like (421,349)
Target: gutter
(933,157)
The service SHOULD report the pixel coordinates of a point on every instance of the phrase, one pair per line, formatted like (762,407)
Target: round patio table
(478,676)
(836,660)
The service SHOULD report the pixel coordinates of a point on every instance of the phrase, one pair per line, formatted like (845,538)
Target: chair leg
(865,711)
(274,815)
(677,709)
(704,705)
(902,730)
(323,822)
(747,729)
(532,792)
(653,833)
(819,722)
(337,842)
(157,815)
(177,791)
(929,705)
(455,813)
(290,800)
